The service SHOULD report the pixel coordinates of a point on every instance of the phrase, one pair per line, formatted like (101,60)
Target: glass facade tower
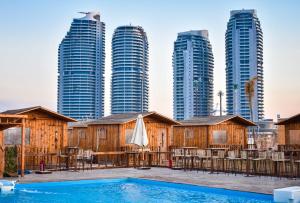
(244,61)
(193,65)
(130,81)
(81,59)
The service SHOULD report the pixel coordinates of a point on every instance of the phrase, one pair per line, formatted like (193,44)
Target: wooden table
(71,152)
(106,154)
(158,154)
(185,149)
(134,154)
(214,149)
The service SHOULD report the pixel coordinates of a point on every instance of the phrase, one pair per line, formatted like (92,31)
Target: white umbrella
(139,136)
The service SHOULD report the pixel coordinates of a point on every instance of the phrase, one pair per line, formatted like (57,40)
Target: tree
(220,94)
(249,90)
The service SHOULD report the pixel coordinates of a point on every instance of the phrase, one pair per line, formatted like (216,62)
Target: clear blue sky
(31,31)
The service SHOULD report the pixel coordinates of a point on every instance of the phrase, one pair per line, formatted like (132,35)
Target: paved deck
(228,181)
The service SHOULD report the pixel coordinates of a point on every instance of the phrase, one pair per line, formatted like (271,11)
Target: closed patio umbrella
(139,136)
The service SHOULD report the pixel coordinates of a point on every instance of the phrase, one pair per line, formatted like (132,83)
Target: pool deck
(221,180)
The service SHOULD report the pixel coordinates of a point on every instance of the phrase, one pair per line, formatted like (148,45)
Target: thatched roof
(214,120)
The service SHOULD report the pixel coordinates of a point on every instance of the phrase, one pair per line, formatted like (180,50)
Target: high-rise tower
(193,65)
(130,82)
(244,61)
(81,59)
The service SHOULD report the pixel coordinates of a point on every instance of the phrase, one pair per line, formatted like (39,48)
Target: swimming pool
(126,190)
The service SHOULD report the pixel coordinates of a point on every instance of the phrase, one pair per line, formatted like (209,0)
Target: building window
(188,133)
(101,133)
(81,134)
(128,135)
(13,136)
(219,137)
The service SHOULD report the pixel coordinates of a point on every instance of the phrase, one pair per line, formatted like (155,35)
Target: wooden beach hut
(217,131)
(45,133)
(113,133)
(289,130)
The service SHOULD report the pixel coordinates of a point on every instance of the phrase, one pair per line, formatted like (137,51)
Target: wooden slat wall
(202,135)
(236,133)
(47,135)
(75,140)
(108,144)
(291,126)
(281,135)
(115,134)
(199,138)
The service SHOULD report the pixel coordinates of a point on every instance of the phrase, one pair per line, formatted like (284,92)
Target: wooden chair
(88,158)
(61,161)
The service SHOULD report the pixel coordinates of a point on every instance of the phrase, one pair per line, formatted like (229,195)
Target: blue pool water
(126,190)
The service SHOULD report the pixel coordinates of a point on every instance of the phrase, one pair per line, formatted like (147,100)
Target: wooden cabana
(204,132)
(45,133)
(8,121)
(113,133)
(289,130)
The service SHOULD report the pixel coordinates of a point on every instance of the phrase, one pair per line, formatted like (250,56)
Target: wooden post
(23,148)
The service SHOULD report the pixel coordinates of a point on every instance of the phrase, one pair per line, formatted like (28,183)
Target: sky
(31,31)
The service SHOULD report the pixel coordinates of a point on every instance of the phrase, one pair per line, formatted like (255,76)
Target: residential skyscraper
(244,61)
(193,65)
(130,82)
(81,59)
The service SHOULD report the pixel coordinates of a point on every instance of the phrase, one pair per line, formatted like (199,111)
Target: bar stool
(260,163)
(199,157)
(280,163)
(219,160)
(179,156)
(232,160)
(208,156)
(244,159)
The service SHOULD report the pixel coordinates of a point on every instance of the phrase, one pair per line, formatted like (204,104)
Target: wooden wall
(198,137)
(236,133)
(202,136)
(292,126)
(113,136)
(47,134)
(281,135)
(77,137)
(108,139)
(154,129)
